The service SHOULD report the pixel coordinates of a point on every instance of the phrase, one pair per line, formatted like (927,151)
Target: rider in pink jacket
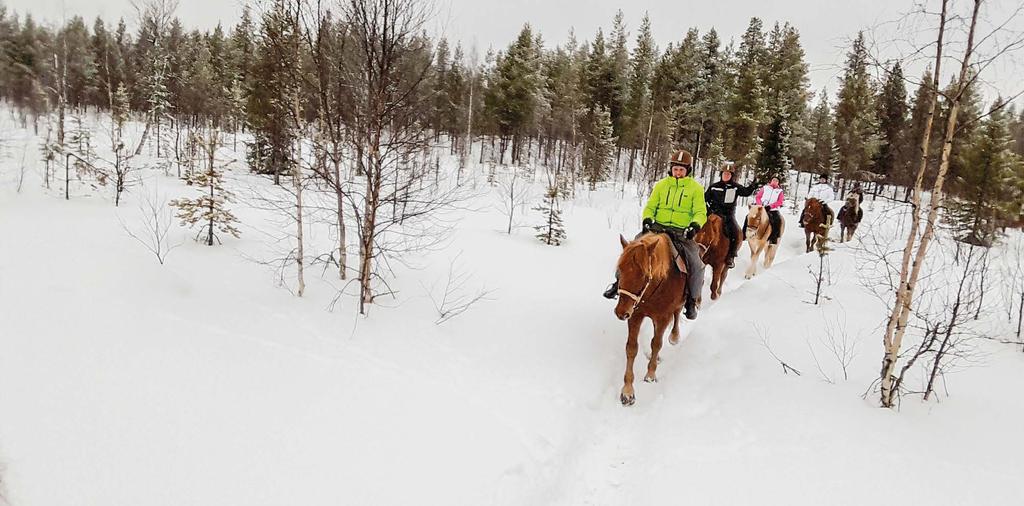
(771,197)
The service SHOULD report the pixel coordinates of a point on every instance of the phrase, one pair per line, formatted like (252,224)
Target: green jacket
(677,202)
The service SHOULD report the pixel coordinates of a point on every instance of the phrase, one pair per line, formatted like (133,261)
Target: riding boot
(691,308)
(612,291)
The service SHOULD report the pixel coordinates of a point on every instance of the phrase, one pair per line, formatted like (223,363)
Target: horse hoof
(627,400)
(748,276)
(673,340)
(650,379)
(714,296)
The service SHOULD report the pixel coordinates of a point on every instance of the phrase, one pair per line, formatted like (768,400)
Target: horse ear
(623,241)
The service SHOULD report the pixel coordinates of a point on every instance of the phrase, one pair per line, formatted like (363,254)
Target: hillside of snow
(205,381)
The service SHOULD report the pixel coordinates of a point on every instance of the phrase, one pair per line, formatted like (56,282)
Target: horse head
(643,263)
(756,215)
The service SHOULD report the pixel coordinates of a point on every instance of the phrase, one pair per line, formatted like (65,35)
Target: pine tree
(892,122)
(985,195)
(208,210)
(855,119)
(552,230)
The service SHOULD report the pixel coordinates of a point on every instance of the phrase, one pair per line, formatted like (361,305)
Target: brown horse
(849,217)
(650,286)
(816,223)
(714,246)
(757,227)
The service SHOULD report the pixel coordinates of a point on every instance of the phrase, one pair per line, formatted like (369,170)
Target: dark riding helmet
(681,158)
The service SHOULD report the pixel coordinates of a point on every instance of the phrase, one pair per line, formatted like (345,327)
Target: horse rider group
(679,207)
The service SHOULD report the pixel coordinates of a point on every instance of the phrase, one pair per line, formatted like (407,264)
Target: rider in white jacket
(824,193)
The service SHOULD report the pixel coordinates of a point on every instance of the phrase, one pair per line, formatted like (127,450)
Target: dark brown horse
(849,217)
(714,248)
(650,286)
(816,223)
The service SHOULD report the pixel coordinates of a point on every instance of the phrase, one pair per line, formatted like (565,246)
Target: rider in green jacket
(677,208)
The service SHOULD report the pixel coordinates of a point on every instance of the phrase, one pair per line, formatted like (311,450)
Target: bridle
(637,299)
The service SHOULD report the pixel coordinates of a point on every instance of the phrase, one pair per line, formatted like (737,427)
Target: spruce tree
(637,111)
(903,173)
(747,111)
(776,158)
(820,124)
(892,122)
(269,110)
(855,118)
(619,60)
(599,147)
(985,194)
(551,231)
(713,92)
(512,90)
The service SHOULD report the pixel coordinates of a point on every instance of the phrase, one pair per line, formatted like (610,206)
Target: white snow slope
(199,382)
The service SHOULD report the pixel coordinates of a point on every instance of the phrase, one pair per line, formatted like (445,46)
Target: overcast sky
(826,26)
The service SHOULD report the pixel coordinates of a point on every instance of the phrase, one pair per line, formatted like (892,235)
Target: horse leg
(717,278)
(652,365)
(807,240)
(755,251)
(769,256)
(673,337)
(721,279)
(627,396)
(714,281)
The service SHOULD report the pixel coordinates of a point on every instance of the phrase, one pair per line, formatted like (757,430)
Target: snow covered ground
(202,382)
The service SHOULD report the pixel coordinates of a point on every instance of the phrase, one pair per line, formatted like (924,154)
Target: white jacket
(822,192)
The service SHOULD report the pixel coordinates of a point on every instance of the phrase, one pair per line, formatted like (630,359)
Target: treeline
(611,107)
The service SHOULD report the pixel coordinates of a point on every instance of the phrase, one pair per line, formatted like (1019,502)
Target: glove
(692,230)
(647,224)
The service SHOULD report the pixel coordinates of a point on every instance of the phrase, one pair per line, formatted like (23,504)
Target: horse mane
(652,253)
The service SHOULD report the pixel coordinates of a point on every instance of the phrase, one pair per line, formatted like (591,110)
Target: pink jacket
(769,197)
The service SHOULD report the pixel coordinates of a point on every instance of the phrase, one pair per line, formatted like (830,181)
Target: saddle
(677,257)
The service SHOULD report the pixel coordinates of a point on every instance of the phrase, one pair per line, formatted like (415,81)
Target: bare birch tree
(385,76)
(916,248)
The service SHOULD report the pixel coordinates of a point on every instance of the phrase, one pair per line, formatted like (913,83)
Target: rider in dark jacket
(721,198)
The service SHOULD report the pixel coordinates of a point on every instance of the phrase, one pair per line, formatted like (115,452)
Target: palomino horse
(649,287)
(757,228)
(714,248)
(816,223)
(849,217)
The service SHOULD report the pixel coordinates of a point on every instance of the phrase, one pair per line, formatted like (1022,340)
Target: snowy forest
(290,259)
